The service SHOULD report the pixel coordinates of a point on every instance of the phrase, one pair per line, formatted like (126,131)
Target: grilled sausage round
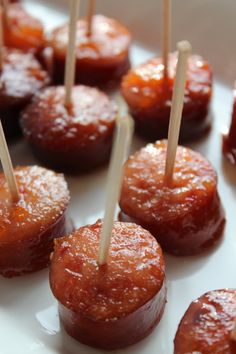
(21,77)
(28,227)
(22,30)
(114,305)
(207,325)
(101,58)
(186,217)
(148,95)
(229,140)
(72,139)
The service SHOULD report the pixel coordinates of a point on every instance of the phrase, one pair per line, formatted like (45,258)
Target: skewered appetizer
(229,140)
(29,225)
(102,57)
(116,304)
(75,138)
(186,217)
(21,77)
(148,94)
(208,324)
(22,30)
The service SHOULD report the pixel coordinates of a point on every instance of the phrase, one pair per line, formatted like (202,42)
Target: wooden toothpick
(233,334)
(122,141)
(91,8)
(71,51)
(184,50)
(166,30)
(5,6)
(7,166)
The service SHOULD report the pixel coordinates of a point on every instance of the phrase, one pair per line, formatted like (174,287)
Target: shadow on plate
(229,171)
(184,267)
(17,291)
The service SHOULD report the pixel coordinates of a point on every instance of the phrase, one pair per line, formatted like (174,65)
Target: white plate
(28,312)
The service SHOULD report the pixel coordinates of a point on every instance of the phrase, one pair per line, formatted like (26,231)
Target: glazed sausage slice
(101,58)
(21,77)
(149,95)
(73,139)
(22,30)
(28,227)
(207,325)
(229,140)
(115,305)
(185,217)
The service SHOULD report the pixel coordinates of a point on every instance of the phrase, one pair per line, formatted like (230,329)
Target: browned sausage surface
(149,96)
(185,217)
(22,30)
(21,77)
(207,325)
(115,305)
(229,140)
(100,58)
(28,227)
(71,139)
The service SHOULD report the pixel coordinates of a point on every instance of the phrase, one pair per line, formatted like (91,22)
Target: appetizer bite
(109,277)
(29,225)
(22,30)
(21,77)
(102,56)
(114,305)
(186,217)
(70,128)
(148,94)
(73,139)
(33,204)
(208,325)
(229,140)
(171,190)
(148,89)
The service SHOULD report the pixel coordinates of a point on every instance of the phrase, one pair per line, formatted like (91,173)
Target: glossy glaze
(207,325)
(100,305)
(229,140)
(22,30)
(28,227)
(74,139)
(149,96)
(100,58)
(185,217)
(20,78)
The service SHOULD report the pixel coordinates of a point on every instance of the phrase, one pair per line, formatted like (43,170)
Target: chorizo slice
(114,305)
(101,59)
(148,95)
(20,78)
(207,325)
(186,217)
(28,227)
(229,140)
(22,30)
(72,139)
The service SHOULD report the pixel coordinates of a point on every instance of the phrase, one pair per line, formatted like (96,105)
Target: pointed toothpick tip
(184,47)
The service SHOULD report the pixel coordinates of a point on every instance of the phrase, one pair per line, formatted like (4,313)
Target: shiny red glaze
(149,96)
(22,30)
(114,305)
(186,217)
(21,77)
(74,139)
(28,227)
(101,58)
(229,140)
(207,325)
